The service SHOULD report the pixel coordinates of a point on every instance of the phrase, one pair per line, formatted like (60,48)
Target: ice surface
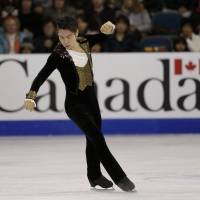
(163,167)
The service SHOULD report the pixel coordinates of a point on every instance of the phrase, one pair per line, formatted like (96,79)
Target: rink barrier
(110,126)
(138,93)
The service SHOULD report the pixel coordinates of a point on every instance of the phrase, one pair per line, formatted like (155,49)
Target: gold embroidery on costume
(31,95)
(85,73)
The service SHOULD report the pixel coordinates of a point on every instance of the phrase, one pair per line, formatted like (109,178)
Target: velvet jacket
(61,60)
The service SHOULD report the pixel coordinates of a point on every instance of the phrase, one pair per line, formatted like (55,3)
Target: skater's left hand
(107,28)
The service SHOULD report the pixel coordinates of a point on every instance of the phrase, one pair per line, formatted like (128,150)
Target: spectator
(26,16)
(98,14)
(140,18)
(8,8)
(195,16)
(126,8)
(82,25)
(184,10)
(38,10)
(121,40)
(26,46)
(193,40)
(46,42)
(180,44)
(97,48)
(59,9)
(113,4)
(11,38)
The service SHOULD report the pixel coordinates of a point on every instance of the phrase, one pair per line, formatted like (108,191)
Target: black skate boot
(126,184)
(102,182)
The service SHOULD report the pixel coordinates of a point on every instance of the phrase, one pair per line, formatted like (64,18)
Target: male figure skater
(71,57)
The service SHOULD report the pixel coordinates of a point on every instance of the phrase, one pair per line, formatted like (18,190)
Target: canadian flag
(190,66)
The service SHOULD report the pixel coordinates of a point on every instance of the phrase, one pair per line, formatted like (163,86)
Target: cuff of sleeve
(31,95)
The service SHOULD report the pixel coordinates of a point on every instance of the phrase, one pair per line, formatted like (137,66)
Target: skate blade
(99,188)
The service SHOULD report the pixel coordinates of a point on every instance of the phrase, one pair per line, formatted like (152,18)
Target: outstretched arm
(106,29)
(48,68)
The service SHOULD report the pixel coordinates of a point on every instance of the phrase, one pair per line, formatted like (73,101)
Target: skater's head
(67,31)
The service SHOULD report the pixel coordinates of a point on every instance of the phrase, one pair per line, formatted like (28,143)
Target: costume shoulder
(61,51)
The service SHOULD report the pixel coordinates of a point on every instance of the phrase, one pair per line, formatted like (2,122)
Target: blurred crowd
(28,26)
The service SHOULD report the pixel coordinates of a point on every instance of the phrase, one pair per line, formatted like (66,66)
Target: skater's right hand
(29,104)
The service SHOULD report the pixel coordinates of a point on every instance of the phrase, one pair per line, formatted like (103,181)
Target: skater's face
(66,37)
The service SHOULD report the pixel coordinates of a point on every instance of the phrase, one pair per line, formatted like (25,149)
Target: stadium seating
(156,44)
(166,23)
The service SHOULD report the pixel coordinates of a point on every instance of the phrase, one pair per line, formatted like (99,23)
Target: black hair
(48,20)
(67,22)
(83,18)
(123,19)
(178,40)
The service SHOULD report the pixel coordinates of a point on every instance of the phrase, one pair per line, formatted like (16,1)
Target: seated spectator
(184,10)
(8,8)
(180,44)
(195,16)
(11,39)
(140,18)
(82,25)
(126,8)
(97,48)
(193,40)
(38,10)
(26,16)
(59,9)
(27,46)
(98,14)
(113,4)
(46,42)
(121,40)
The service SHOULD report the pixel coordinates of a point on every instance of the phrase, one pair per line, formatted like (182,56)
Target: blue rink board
(110,126)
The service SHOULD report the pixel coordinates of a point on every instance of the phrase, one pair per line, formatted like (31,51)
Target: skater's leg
(82,117)
(93,163)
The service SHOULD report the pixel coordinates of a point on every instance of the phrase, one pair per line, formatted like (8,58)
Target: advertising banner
(132,88)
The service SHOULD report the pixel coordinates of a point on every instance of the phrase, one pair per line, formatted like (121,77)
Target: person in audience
(11,38)
(27,47)
(59,9)
(97,48)
(180,45)
(192,39)
(83,25)
(140,18)
(48,40)
(121,40)
(38,10)
(125,9)
(26,16)
(97,14)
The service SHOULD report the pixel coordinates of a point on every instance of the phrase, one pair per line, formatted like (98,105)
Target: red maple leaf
(190,66)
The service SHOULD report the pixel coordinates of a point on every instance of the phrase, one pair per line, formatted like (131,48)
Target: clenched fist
(29,104)
(107,28)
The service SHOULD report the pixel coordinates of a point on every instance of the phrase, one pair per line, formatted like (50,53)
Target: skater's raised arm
(48,68)
(106,30)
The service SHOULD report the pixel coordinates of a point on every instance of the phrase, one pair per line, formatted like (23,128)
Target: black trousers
(84,110)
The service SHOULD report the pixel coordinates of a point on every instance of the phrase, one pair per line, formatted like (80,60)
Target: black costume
(82,107)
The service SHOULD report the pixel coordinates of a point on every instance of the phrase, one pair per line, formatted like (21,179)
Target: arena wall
(138,94)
